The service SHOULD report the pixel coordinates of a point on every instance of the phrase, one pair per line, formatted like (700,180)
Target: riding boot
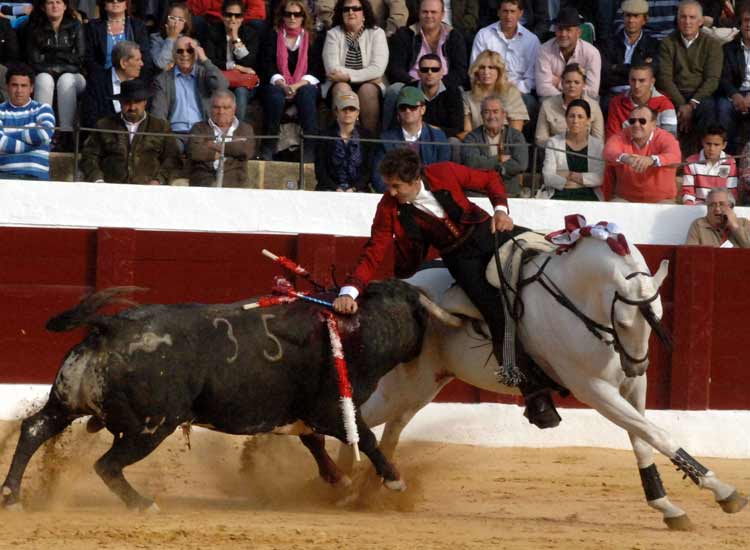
(536,391)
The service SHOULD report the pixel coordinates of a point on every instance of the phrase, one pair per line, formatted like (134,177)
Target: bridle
(515,307)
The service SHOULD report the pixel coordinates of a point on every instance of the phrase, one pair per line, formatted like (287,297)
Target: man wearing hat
(129,156)
(565,48)
(411,131)
(632,46)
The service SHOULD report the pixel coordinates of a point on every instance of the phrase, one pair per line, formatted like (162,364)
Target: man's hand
(739,103)
(640,163)
(345,304)
(685,117)
(154,182)
(501,222)
(731,219)
(200,53)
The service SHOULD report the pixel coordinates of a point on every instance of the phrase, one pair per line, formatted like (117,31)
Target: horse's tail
(85,313)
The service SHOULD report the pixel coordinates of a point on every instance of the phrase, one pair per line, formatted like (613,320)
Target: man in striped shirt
(26,128)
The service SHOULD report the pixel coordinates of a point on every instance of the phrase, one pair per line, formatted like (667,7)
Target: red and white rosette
(576,227)
(345,388)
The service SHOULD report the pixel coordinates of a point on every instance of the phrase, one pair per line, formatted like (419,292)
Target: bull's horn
(438,312)
(661,274)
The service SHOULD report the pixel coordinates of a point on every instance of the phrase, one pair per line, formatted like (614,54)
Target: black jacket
(97,101)
(216,45)
(615,72)
(96,45)
(733,72)
(8,42)
(267,61)
(55,53)
(324,170)
(446,111)
(405,45)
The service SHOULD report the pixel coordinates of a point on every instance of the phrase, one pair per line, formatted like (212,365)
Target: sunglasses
(181,51)
(426,70)
(353,9)
(292,14)
(404,108)
(176,18)
(117,1)
(350,109)
(232,15)
(641,121)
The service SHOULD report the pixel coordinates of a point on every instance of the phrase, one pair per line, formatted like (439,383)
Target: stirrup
(540,410)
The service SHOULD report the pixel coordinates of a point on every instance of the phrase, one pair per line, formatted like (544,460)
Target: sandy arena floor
(459,497)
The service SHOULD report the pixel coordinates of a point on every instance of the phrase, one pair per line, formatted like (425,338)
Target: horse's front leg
(634,390)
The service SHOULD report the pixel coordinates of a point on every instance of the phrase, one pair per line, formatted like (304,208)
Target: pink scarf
(282,55)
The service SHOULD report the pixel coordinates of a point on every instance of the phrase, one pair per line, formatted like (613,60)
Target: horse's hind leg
(634,390)
(128,449)
(35,430)
(327,468)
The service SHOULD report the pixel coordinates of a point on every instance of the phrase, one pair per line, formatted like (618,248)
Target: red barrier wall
(44,271)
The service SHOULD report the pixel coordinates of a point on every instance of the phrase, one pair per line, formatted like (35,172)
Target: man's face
(689,20)
(509,16)
(131,66)
(567,37)
(716,208)
(713,146)
(20,89)
(411,114)
(133,111)
(745,26)
(430,73)
(634,22)
(184,55)
(401,190)
(641,124)
(430,14)
(222,111)
(493,116)
(641,83)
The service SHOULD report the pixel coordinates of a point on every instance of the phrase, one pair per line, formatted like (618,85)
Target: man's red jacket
(447,181)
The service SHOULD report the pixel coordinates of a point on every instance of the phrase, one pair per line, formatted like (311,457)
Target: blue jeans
(731,121)
(243,96)
(274,101)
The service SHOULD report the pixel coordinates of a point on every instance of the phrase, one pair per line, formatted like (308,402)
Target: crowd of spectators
(622,97)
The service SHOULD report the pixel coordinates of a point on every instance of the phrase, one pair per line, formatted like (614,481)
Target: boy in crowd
(709,169)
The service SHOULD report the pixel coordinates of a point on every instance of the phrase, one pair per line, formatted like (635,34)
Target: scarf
(353,51)
(282,54)
(346,160)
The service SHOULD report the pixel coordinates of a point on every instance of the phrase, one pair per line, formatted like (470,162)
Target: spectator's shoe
(267,151)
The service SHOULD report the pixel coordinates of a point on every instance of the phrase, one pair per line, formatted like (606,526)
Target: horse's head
(636,309)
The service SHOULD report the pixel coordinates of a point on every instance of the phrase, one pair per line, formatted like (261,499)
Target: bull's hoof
(733,503)
(679,523)
(395,485)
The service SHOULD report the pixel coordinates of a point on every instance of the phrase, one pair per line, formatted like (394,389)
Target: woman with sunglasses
(177,22)
(291,68)
(552,119)
(355,56)
(114,25)
(573,169)
(55,50)
(488,77)
(232,45)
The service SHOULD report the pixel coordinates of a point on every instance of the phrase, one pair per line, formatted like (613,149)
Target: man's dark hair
(430,57)
(338,14)
(402,163)
(715,130)
(645,108)
(518,3)
(19,69)
(643,67)
(740,11)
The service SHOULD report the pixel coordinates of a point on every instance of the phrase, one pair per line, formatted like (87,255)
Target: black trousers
(468,264)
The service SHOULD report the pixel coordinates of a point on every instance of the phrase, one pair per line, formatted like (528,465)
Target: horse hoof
(733,503)
(152,510)
(344,482)
(347,501)
(395,485)
(679,523)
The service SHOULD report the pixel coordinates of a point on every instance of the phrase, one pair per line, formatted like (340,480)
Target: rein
(597,329)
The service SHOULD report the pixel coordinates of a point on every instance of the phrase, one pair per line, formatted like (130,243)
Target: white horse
(618,298)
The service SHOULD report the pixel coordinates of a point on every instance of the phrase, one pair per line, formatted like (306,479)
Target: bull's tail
(85,313)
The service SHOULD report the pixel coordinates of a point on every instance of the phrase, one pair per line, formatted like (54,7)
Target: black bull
(143,372)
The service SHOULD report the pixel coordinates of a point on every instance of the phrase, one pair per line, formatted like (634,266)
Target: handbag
(238,79)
